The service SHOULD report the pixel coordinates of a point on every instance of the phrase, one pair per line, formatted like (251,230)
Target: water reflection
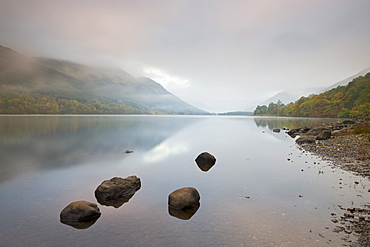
(251,198)
(164,150)
(80,224)
(117,202)
(51,142)
(183,214)
(290,123)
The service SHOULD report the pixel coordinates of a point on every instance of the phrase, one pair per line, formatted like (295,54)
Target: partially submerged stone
(116,191)
(205,161)
(79,211)
(183,214)
(183,198)
(80,224)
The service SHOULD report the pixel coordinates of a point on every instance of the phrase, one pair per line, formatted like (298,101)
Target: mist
(216,55)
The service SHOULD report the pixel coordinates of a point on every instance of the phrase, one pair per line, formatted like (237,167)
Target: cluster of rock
(355,221)
(345,149)
(310,135)
(182,203)
(113,192)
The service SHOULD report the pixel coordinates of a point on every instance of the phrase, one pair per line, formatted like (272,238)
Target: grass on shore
(363,128)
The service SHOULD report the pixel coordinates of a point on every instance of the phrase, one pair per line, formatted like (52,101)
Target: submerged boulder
(183,198)
(116,191)
(79,211)
(183,214)
(205,161)
(80,224)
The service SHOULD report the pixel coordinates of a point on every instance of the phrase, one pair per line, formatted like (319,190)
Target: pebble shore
(351,152)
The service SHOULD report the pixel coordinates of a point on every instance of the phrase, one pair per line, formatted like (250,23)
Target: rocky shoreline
(347,146)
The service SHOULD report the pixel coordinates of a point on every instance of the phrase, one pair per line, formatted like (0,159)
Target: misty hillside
(346,81)
(291,95)
(352,100)
(72,81)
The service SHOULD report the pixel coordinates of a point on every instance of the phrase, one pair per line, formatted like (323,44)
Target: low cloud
(224,55)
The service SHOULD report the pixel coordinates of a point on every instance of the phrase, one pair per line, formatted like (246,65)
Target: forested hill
(42,85)
(352,100)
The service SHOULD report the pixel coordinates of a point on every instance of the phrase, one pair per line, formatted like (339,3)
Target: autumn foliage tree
(24,103)
(352,100)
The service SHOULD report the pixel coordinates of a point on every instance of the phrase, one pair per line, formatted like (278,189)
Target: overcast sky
(219,55)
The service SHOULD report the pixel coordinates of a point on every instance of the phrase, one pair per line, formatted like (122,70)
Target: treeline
(24,103)
(352,100)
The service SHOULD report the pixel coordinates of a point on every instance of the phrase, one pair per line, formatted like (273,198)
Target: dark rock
(295,132)
(317,131)
(338,229)
(183,214)
(183,198)
(205,161)
(305,140)
(324,135)
(304,130)
(116,191)
(79,211)
(276,130)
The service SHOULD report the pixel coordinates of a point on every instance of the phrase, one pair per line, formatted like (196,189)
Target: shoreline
(346,147)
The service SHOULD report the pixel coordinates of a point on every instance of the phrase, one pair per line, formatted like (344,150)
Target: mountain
(292,95)
(347,80)
(72,81)
(351,100)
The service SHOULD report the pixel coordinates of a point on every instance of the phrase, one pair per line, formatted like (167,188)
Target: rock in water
(205,161)
(187,197)
(79,211)
(183,214)
(116,191)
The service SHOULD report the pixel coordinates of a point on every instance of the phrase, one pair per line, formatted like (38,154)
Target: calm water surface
(263,191)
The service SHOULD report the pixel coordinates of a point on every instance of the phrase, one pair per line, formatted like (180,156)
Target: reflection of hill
(48,142)
(290,123)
